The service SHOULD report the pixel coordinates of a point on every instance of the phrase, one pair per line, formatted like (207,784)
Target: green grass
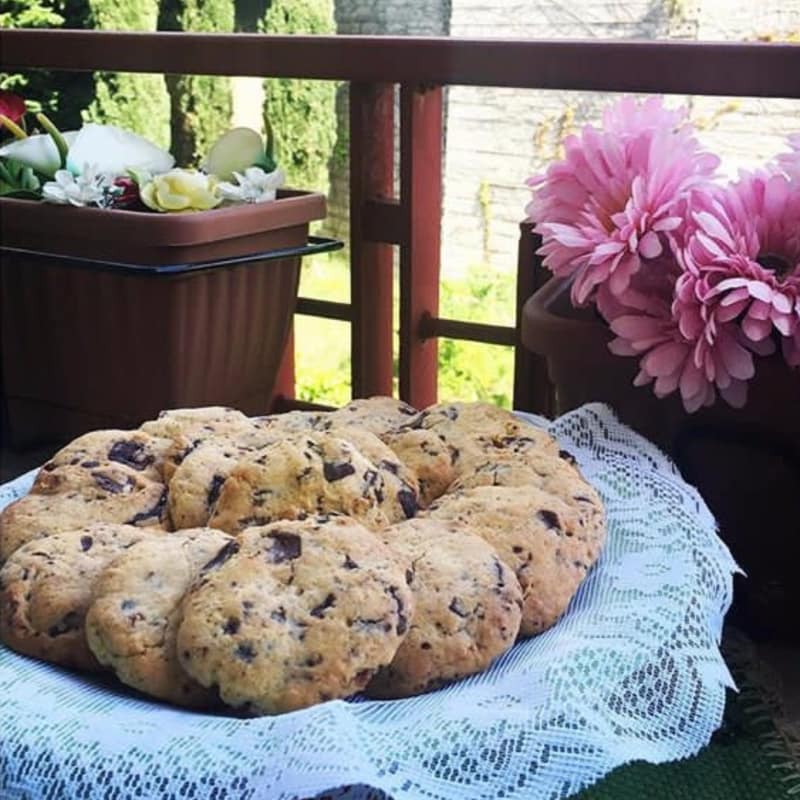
(467,370)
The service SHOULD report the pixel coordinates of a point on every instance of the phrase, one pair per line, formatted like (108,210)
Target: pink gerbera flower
(610,205)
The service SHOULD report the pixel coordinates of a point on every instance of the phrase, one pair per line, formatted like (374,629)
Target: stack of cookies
(272,563)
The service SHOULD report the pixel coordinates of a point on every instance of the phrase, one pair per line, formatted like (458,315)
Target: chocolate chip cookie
(518,465)
(197,481)
(467,608)
(188,427)
(535,534)
(133,619)
(134,449)
(295,613)
(429,456)
(46,586)
(456,421)
(375,414)
(70,497)
(317,473)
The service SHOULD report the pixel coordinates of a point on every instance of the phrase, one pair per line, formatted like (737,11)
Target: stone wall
(496,138)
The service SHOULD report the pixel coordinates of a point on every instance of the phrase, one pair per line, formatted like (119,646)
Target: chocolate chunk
(409,576)
(285,547)
(550,519)
(130,453)
(408,502)
(227,550)
(279,615)
(336,470)
(127,605)
(71,621)
(213,490)
(231,626)
(567,456)
(49,466)
(349,563)
(108,484)
(90,464)
(319,611)
(425,646)
(458,608)
(245,651)
(373,482)
(390,466)
(156,512)
(402,620)
(247,605)
(86,543)
(313,660)
(498,567)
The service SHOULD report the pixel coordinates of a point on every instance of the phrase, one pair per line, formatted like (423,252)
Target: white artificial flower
(115,150)
(254,186)
(38,152)
(89,188)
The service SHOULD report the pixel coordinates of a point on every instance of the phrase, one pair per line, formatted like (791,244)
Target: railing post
(371,181)
(421,210)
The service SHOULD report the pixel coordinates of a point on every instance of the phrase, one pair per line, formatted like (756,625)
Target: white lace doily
(631,672)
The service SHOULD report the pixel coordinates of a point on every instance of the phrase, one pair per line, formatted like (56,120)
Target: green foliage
(30,14)
(62,95)
(467,370)
(302,113)
(201,105)
(137,102)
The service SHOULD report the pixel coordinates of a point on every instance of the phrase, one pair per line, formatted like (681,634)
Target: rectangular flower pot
(745,462)
(110,316)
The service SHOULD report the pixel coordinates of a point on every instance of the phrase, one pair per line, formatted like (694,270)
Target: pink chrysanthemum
(739,284)
(610,205)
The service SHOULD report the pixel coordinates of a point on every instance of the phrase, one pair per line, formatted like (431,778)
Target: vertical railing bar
(371,178)
(421,122)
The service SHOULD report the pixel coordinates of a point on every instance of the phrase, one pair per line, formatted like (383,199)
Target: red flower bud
(12,106)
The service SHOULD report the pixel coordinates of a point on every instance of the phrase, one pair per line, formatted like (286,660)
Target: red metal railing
(378,220)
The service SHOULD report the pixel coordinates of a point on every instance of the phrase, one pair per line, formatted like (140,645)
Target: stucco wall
(496,138)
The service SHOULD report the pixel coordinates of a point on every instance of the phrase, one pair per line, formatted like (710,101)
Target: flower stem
(12,127)
(55,134)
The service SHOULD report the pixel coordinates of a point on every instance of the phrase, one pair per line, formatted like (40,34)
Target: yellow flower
(181,190)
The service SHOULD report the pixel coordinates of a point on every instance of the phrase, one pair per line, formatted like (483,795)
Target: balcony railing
(374,67)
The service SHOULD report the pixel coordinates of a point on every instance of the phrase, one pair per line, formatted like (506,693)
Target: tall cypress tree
(139,103)
(201,106)
(301,112)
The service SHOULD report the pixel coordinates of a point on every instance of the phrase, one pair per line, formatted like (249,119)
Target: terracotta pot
(110,316)
(746,462)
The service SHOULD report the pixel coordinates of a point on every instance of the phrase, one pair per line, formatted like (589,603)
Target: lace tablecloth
(632,672)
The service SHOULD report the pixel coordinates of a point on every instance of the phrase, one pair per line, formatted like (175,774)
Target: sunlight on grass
(467,370)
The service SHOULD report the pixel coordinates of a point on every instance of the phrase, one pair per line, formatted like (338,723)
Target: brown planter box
(110,316)
(746,463)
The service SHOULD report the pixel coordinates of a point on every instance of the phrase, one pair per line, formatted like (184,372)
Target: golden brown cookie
(557,475)
(429,456)
(375,414)
(535,534)
(317,473)
(70,497)
(137,450)
(132,622)
(467,608)
(293,614)
(188,427)
(46,587)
